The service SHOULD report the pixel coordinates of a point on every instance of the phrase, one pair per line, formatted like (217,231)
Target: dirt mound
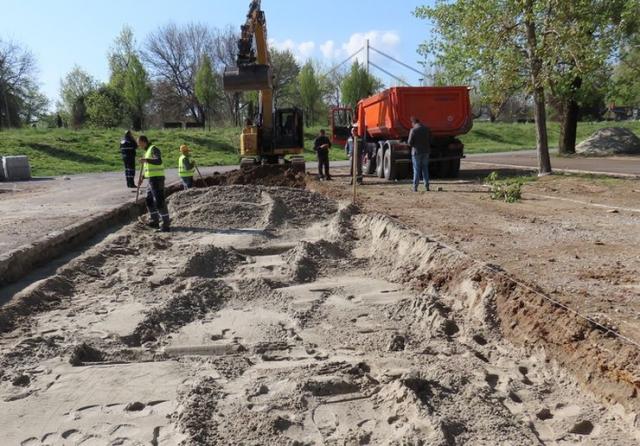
(267,175)
(610,141)
(250,206)
(210,262)
(204,296)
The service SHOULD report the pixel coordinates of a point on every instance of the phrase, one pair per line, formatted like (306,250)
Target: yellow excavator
(274,134)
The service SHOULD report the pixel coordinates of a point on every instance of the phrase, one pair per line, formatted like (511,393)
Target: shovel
(140,177)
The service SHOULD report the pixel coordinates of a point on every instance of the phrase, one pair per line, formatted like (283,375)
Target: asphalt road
(33,209)
(624,166)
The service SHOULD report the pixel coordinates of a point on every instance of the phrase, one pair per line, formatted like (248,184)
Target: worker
(321,146)
(153,169)
(420,142)
(349,147)
(128,148)
(186,167)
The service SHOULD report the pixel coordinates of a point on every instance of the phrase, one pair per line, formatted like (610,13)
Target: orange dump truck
(384,123)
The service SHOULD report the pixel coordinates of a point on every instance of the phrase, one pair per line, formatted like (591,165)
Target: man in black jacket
(321,145)
(420,142)
(128,148)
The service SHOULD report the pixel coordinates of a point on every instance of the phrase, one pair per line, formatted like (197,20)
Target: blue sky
(63,33)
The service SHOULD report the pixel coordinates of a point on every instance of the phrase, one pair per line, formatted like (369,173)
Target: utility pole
(366,55)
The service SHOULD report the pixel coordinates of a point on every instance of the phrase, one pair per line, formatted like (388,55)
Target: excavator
(274,134)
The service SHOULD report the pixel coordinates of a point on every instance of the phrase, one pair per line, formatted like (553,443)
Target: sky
(64,33)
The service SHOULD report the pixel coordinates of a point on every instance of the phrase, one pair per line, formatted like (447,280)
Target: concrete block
(16,168)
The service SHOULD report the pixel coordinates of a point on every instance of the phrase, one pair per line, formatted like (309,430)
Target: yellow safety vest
(152,170)
(182,172)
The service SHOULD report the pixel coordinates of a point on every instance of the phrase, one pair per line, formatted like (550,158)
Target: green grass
(486,137)
(64,152)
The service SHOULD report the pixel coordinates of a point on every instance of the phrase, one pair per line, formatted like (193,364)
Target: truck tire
(380,163)
(439,169)
(454,168)
(389,166)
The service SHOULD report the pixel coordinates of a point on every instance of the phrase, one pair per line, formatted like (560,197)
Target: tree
(205,87)
(358,84)
(76,86)
(225,52)
(539,46)
(136,91)
(120,56)
(105,108)
(309,92)
(625,88)
(498,37)
(18,87)
(285,72)
(173,54)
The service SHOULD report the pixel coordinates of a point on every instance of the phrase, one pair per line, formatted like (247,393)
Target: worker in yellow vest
(154,171)
(186,167)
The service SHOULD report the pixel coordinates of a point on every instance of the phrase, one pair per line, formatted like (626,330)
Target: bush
(508,189)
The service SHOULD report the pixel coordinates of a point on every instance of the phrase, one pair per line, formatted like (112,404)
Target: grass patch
(65,152)
(486,137)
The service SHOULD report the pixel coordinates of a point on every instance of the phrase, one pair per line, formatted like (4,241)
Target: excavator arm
(253,70)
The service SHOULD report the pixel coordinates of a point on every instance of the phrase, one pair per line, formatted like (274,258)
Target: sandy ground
(578,238)
(277,316)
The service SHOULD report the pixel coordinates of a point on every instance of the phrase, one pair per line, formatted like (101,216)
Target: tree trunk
(569,128)
(137,123)
(539,107)
(569,125)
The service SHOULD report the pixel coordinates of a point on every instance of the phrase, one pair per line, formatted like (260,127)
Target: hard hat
(184,149)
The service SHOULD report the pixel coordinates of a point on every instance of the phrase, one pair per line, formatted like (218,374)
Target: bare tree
(225,52)
(172,54)
(17,82)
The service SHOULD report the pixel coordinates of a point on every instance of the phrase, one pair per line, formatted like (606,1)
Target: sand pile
(610,141)
(272,316)
(264,175)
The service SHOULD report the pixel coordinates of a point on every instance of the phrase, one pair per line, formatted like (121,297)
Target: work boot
(164,229)
(154,225)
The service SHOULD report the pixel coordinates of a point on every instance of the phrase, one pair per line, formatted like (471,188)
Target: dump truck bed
(445,110)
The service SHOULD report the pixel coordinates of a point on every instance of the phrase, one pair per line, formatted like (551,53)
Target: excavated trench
(274,315)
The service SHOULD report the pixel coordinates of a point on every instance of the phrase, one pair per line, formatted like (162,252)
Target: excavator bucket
(247,78)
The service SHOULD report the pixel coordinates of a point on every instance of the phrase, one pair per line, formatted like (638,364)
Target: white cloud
(386,41)
(306,49)
(302,51)
(329,50)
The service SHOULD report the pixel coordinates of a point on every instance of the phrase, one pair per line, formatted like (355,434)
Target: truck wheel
(380,163)
(369,164)
(390,166)
(454,168)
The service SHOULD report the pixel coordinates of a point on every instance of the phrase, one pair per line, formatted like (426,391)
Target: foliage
(76,85)
(205,87)
(509,189)
(136,91)
(105,108)
(285,72)
(120,56)
(358,84)
(507,46)
(20,98)
(309,92)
